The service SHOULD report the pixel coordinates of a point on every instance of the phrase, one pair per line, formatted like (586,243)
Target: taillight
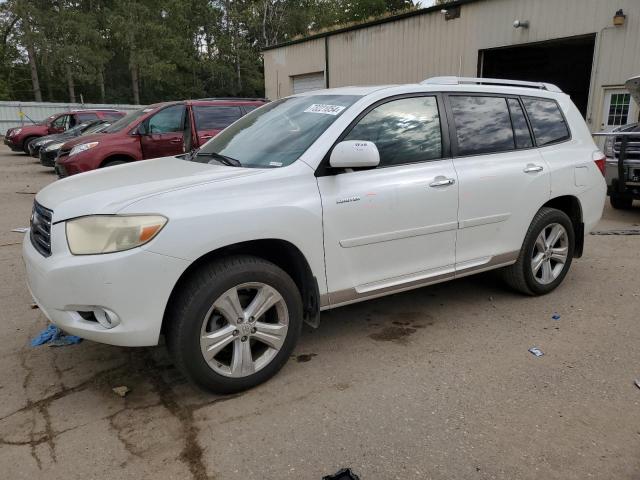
(600,160)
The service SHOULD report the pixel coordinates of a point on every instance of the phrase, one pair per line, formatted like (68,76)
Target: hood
(109,190)
(73,141)
(50,138)
(37,128)
(633,85)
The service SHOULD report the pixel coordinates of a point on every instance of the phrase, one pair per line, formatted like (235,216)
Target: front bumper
(47,158)
(135,285)
(13,146)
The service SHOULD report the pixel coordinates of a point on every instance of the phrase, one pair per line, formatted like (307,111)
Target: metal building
(586,47)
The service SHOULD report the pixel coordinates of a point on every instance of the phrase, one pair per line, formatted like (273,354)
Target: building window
(619,109)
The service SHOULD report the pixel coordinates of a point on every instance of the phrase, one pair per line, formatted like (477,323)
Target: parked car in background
(49,150)
(622,198)
(163,129)
(35,145)
(309,203)
(18,138)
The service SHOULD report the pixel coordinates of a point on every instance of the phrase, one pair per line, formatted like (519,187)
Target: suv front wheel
(546,254)
(234,323)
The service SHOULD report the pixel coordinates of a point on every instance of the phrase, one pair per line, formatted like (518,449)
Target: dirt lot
(434,383)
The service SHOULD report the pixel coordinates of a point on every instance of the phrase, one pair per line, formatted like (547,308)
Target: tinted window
(124,122)
(546,120)
(519,122)
(82,117)
(277,134)
(113,115)
(405,131)
(215,118)
(167,120)
(482,125)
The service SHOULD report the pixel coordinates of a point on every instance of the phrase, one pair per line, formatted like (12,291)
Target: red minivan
(18,138)
(159,130)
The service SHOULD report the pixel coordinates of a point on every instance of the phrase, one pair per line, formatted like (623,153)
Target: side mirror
(355,154)
(142,129)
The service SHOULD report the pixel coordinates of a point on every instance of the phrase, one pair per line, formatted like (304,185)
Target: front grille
(41,229)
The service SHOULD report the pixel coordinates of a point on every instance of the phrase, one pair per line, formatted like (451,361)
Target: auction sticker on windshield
(326,109)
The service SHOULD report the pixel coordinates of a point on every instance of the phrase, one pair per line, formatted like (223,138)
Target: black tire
(189,307)
(520,276)
(620,203)
(113,163)
(25,144)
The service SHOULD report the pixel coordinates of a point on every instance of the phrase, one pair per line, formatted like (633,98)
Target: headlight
(111,233)
(82,147)
(15,132)
(53,146)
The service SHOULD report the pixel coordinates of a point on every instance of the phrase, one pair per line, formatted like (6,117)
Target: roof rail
(489,81)
(240,99)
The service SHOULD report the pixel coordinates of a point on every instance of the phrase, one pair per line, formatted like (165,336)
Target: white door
(619,109)
(503,180)
(308,82)
(392,227)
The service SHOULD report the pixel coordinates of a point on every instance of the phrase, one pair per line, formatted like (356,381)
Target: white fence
(14,114)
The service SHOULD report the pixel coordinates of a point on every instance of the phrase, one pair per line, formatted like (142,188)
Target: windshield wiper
(225,160)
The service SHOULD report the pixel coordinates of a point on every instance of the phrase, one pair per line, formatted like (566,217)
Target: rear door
(394,226)
(164,133)
(503,179)
(212,119)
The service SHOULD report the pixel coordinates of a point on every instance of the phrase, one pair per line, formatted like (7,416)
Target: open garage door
(308,82)
(565,62)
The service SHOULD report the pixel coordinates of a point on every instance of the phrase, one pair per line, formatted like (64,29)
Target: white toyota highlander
(312,202)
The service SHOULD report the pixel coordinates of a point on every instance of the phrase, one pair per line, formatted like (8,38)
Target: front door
(59,125)
(164,133)
(392,227)
(503,179)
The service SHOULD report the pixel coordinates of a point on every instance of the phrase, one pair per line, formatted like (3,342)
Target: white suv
(312,202)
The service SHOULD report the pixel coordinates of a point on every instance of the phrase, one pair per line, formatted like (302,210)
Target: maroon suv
(18,138)
(159,130)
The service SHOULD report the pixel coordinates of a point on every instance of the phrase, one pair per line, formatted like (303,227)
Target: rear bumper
(135,285)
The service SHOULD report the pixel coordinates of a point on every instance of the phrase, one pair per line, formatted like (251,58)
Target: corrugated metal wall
(419,47)
(36,111)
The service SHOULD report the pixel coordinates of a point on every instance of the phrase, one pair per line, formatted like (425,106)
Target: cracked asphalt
(436,383)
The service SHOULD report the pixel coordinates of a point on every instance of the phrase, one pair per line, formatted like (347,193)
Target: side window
(215,118)
(83,117)
(60,122)
(483,124)
(167,120)
(405,130)
(519,122)
(546,120)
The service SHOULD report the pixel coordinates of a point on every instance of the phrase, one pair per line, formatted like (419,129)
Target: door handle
(206,137)
(176,140)
(531,168)
(441,181)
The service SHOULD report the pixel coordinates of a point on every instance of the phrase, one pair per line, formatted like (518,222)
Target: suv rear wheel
(546,254)
(234,323)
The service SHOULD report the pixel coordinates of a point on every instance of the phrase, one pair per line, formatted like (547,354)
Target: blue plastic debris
(536,351)
(55,337)
(556,316)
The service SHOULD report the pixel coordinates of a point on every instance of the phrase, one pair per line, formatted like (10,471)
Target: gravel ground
(434,383)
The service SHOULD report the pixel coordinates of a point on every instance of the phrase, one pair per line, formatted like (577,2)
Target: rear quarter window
(546,120)
(214,117)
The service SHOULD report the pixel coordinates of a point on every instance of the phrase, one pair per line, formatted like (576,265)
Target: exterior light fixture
(521,24)
(619,18)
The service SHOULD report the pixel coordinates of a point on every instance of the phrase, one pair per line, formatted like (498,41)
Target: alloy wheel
(550,253)
(244,329)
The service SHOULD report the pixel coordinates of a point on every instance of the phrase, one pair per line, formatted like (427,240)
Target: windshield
(78,129)
(277,134)
(127,120)
(97,128)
